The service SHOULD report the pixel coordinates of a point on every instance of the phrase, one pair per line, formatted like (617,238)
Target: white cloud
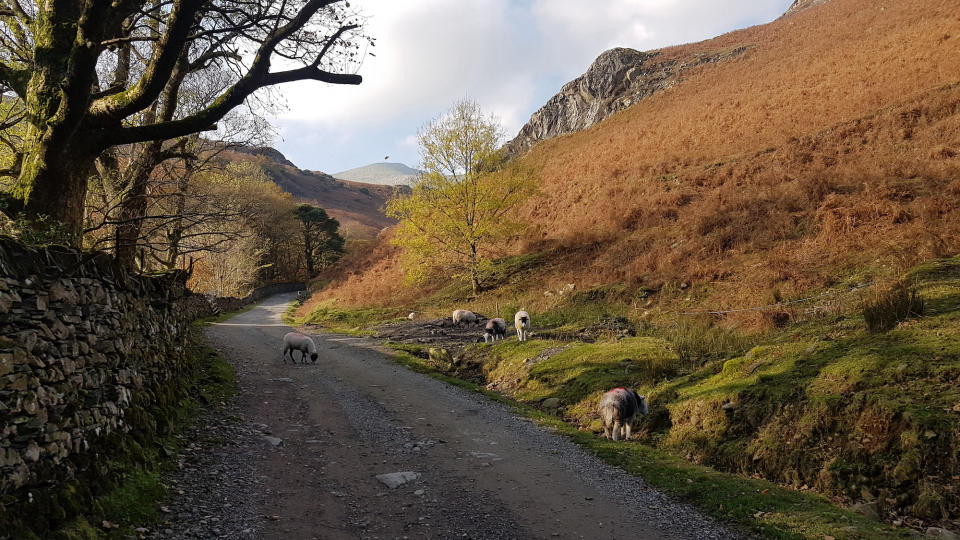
(508,55)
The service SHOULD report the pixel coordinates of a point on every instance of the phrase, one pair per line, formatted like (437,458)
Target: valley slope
(829,145)
(358,206)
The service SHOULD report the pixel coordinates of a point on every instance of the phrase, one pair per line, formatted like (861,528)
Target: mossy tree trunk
(53,176)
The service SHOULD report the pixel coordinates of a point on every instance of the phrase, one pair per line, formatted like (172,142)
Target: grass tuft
(892,306)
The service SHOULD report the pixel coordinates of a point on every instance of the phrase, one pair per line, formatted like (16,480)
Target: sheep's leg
(626,428)
(616,430)
(283,356)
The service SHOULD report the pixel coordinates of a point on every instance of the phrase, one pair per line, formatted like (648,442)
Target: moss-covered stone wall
(92,364)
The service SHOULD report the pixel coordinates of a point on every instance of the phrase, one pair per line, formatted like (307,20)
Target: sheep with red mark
(617,409)
(496,329)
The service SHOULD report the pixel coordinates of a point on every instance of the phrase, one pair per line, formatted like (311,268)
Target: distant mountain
(385,174)
(358,206)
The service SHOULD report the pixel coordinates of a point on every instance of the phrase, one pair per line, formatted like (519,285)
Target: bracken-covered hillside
(830,146)
(357,205)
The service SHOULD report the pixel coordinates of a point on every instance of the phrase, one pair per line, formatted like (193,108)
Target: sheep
(617,409)
(496,329)
(462,316)
(522,321)
(295,341)
(412,315)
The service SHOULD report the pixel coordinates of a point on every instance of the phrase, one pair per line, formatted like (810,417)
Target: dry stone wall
(88,355)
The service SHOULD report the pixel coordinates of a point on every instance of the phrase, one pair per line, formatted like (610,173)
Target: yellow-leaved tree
(459,209)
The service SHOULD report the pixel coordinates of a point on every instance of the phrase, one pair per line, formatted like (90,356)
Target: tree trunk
(53,182)
(308,249)
(474,273)
(134,205)
(59,152)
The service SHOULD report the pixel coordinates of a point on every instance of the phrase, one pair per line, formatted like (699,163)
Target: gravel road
(299,452)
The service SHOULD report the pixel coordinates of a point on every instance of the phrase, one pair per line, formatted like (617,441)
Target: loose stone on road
(356,446)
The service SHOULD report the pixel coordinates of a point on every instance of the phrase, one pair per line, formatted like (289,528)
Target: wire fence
(776,306)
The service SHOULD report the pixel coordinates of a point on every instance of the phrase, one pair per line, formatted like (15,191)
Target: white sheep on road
(522,321)
(295,341)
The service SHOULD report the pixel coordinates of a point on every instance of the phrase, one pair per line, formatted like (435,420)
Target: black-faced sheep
(295,341)
(617,409)
(496,329)
(522,321)
(463,316)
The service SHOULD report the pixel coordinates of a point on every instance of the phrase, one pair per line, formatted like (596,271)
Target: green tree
(322,243)
(86,71)
(459,210)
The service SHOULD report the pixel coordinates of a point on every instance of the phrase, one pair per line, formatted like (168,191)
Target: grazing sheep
(496,329)
(462,316)
(522,321)
(617,409)
(412,315)
(295,341)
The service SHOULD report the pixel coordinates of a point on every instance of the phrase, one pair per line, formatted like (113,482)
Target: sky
(510,56)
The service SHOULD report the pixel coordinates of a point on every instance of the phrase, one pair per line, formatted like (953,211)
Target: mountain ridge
(385,173)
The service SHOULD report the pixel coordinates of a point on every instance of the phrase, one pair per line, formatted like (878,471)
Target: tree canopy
(322,243)
(459,210)
(85,73)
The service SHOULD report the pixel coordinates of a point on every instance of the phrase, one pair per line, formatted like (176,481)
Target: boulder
(939,533)
(551,403)
(868,509)
(397,479)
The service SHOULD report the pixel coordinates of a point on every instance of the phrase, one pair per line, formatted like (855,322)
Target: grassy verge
(214,319)
(353,322)
(756,505)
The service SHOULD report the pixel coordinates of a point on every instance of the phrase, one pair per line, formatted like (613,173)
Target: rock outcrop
(617,79)
(800,5)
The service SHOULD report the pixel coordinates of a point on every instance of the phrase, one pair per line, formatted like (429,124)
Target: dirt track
(304,444)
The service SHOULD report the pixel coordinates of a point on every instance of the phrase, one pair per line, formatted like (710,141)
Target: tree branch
(15,78)
(258,76)
(165,57)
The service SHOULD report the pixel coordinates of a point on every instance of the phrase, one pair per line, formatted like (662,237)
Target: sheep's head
(642,403)
(314,356)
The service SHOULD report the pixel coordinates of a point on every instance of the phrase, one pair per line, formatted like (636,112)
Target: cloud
(508,55)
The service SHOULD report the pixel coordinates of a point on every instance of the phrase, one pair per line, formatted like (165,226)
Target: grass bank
(354,322)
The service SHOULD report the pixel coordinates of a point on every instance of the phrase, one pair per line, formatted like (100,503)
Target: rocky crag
(800,5)
(617,79)
(92,364)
